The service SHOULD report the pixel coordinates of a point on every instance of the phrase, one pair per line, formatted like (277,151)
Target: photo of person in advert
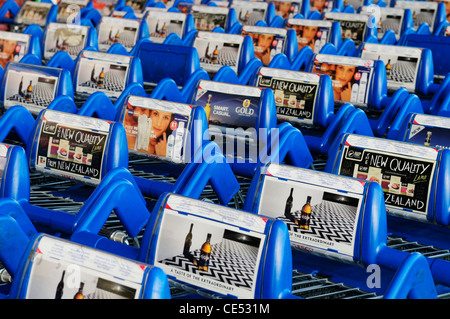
(148,130)
(264,46)
(342,76)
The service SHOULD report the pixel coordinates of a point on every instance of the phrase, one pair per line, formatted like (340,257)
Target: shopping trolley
(333,223)
(29,257)
(417,207)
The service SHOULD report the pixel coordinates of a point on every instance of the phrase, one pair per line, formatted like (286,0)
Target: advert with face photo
(314,34)
(351,82)
(13,46)
(321,5)
(267,42)
(156,128)
(287,9)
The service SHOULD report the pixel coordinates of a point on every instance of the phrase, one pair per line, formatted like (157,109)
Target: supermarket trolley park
(45,189)
(51,192)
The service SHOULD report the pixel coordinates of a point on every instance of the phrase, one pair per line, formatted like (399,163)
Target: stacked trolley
(215,149)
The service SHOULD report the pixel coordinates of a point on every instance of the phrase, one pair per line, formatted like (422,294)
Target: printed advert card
(34,13)
(206,18)
(117,30)
(422,11)
(31,87)
(13,46)
(156,128)
(218,49)
(405,179)
(72,146)
(267,42)
(389,19)
(229,108)
(321,218)
(321,5)
(161,24)
(402,63)
(295,93)
(351,77)
(203,251)
(64,37)
(353,26)
(68,9)
(248,12)
(3,159)
(103,72)
(65,270)
(312,33)
(287,9)
(429,130)
(105,7)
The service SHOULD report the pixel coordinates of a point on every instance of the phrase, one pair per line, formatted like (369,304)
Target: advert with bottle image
(61,37)
(33,89)
(319,216)
(206,18)
(430,131)
(402,64)
(229,106)
(156,128)
(216,50)
(69,9)
(249,12)
(215,256)
(33,13)
(117,30)
(59,272)
(406,181)
(161,24)
(102,72)
(73,151)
